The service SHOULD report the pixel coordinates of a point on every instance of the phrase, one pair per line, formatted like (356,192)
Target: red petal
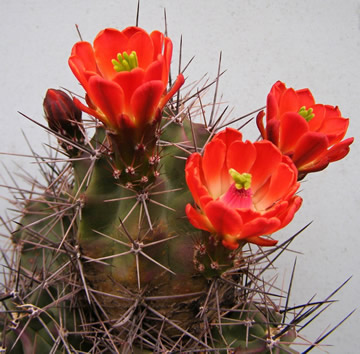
(305,98)
(128,32)
(90,111)
(158,39)
(224,220)
(241,156)
(259,227)
(289,102)
(228,136)
(85,53)
(155,70)
(177,84)
(129,82)
(317,121)
(168,48)
(82,59)
(107,44)
(340,150)
(273,100)
(260,123)
(335,129)
(281,181)
(212,164)
(262,241)
(142,44)
(145,100)
(197,219)
(286,216)
(272,107)
(194,177)
(272,131)
(292,127)
(309,149)
(268,158)
(108,96)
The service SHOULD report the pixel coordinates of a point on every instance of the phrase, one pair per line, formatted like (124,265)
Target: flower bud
(63,116)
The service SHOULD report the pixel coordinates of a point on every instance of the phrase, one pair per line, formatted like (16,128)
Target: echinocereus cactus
(141,241)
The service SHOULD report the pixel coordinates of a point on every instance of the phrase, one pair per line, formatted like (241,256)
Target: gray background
(307,43)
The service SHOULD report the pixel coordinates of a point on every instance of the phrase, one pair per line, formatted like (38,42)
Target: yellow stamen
(306,113)
(242,180)
(125,62)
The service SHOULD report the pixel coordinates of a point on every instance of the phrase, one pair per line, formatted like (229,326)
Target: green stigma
(242,180)
(306,113)
(125,62)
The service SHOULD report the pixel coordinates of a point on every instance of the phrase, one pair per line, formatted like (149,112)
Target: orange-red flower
(125,75)
(311,134)
(242,190)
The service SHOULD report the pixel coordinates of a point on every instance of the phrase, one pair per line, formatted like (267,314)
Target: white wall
(307,43)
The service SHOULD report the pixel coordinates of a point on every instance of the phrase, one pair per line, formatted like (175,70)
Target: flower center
(125,62)
(242,180)
(239,194)
(306,113)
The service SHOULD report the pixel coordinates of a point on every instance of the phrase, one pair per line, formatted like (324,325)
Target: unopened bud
(62,115)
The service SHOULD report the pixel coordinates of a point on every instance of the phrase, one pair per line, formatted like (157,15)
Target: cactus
(106,259)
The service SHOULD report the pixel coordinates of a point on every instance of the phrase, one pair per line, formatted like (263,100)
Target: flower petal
(228,136)
(281,181)
(107,44)
(194,178)
(241,156)
(197,219)
(289,102)
(168,48)
(155,70)
(108,96)
(224,220)
(287,215)
(309,149)
(305,98)
(89,111)
(293,126)
(268,158)
(317,121)
(335,129)
(340,150)
(259,227)
(262,241)
(129,81)
(273,99)
(142,44)
(82,59)
(158,40)
(144,102)
(212,163)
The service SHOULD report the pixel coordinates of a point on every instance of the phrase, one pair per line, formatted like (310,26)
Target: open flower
(311,134)
(125,75)
(242,190)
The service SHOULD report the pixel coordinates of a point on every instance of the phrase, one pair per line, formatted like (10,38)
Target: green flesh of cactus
(112,257)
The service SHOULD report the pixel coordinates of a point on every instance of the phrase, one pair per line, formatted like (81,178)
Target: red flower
(125,75)
(311,134)
(242,190)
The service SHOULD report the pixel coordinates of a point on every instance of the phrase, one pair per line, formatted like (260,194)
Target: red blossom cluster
(300,137)
(243,191)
